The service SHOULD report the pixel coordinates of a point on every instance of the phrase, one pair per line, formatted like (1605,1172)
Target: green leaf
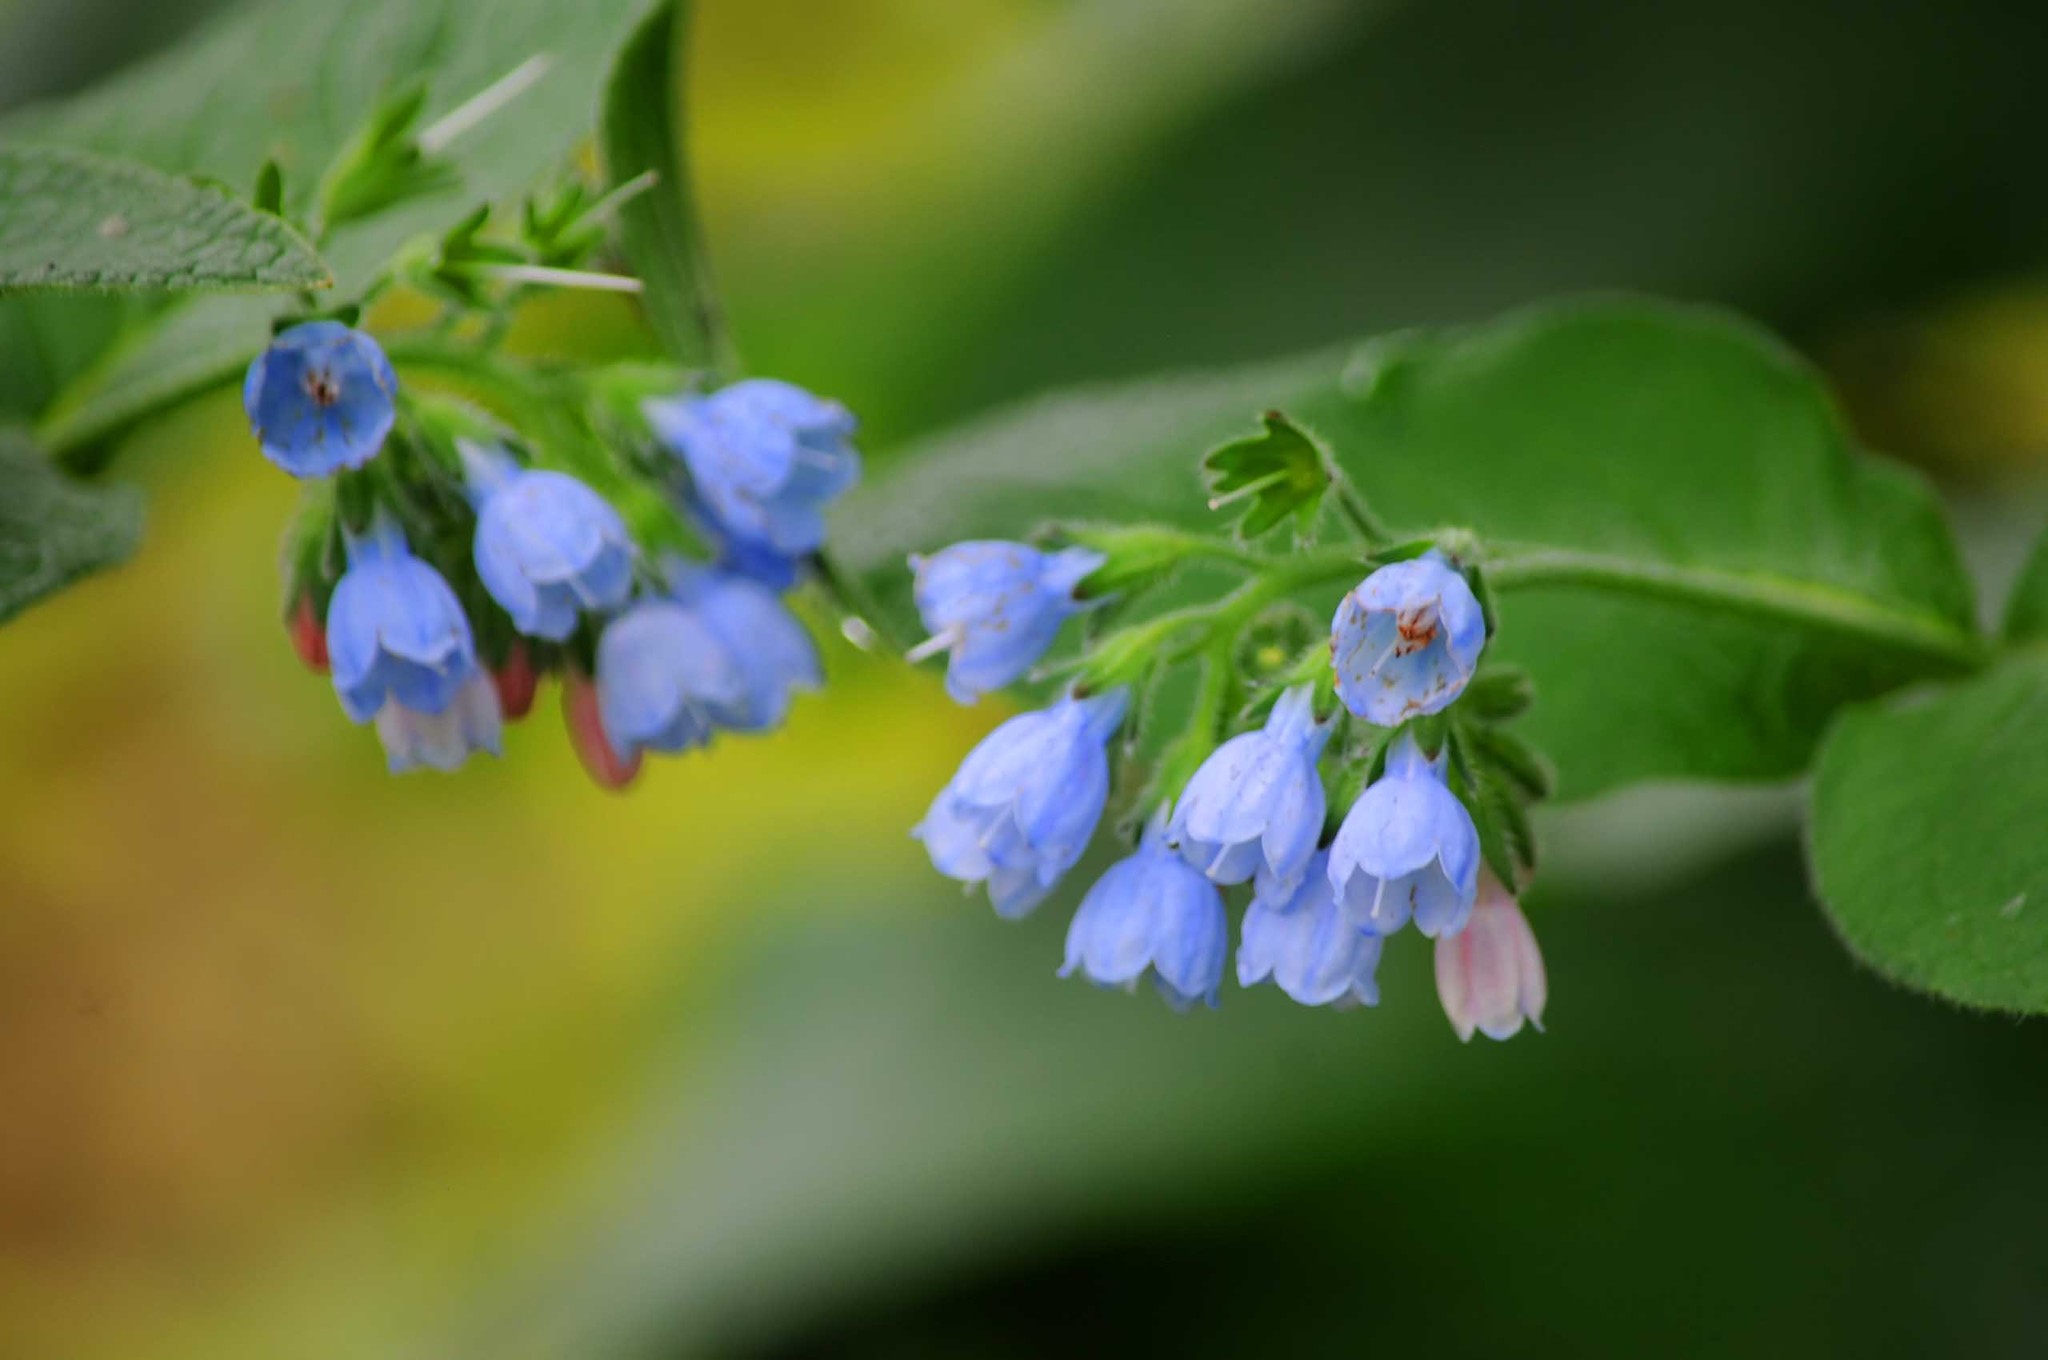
(188,349)
(49,339)
(70,221)
(1498,694)
(54,531)
(2026,613)
(1696,568)
(1926,842)
(658,228)
(294,82)
(269,194)
(1278,472)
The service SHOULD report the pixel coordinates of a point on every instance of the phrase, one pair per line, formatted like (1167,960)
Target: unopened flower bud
(581,713)
(308,634)
(1490,975)
(516,681)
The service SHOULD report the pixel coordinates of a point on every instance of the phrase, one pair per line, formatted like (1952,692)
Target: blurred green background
(296,1060)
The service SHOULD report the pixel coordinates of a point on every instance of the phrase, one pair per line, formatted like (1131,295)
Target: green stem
(847,591)
(1197,548)
(1759,594)
(1351,504)
(1204,731)
(1223,619)
(1281,579)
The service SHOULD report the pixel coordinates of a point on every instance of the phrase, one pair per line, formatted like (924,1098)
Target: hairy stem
(1758,594)
(1351,504)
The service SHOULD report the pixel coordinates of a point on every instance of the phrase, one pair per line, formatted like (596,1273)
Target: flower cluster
(1349,810)
(443,567)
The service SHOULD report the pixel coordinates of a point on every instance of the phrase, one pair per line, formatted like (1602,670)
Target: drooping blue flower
(547,546)
(443,741)
(320,399)
(769,650)
(996,607)
(661,673)
(1406,641)
(1151,911)
(765,458)
(755,561)
(1024,803)
(1301,939)
(1256,805)
(395,631)
(1407,847)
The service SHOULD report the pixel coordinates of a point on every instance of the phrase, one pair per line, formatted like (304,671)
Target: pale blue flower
(1406,641)
(768,649)
(1407,847)
(547,546)
(443,741)
(1151,911)
(1300,938)
(765,458)
(661,673)
(395,630)
(996,607)
(320,399)
(1023,805)
(1256,805)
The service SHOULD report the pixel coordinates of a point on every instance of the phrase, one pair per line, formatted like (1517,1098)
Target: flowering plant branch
(1649,513)
(1428,823)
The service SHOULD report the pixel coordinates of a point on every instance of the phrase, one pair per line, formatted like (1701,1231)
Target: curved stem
(1759,594)
(1204,730)
(856,605)
(1351,504)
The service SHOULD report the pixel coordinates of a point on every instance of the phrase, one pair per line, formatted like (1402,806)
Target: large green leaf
(74,221)
(659,229)
(292,81)
(1927,845)
(52,530)
(1698,568)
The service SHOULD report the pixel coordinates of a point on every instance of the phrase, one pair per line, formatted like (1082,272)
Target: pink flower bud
(516,682)
(1490,974)
(586,733)
(308,634)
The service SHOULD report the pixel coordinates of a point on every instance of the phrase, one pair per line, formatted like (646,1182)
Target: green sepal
(1507,841)
(382,164)
(1279,472)
(558,229)
(1140,556)
(1498,694)
(1515,760)
(1126,657)
(313,558)
(1356,757)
